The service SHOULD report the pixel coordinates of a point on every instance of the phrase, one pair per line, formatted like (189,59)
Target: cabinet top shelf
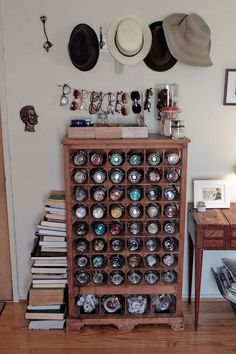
(152,140)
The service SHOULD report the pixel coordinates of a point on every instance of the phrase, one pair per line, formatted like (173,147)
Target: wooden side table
(214,229)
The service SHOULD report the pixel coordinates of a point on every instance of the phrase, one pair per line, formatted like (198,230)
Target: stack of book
(47,306)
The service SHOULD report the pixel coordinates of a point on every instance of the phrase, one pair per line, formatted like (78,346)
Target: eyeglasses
(95,102)
(64,100)
(81,95)
(147,103)
(118,104)
(135,97)
(107,105)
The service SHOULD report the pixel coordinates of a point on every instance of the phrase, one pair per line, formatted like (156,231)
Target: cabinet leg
(190,267)
(198,273)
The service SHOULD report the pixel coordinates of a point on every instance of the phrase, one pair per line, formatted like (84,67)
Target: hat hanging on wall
(83,47)
(159,57)
(129,40)
(188,39)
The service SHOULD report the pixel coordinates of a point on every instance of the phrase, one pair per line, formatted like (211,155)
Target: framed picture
(230,87)
(215,193)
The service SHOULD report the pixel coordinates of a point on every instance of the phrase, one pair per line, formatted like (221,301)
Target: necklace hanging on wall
(47,45)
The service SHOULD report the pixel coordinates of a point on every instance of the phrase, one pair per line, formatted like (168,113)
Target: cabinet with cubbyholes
(125,203)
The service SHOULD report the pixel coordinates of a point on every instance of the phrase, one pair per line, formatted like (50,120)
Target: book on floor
(53,244)
(47,223)
(49,281)
(44,296)
(55,217)
(56,198)
(38,254)
(45,232)
(53,238)
(53,249)
(58,314)
(48,270)
(49,285)
(48,276)
(50,263)
(43,307)
(46,324)
(54,210)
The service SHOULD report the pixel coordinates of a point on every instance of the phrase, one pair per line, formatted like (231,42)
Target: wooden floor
(216,334)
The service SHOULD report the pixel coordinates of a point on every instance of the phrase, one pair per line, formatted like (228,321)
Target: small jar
(177,129)
(169,114)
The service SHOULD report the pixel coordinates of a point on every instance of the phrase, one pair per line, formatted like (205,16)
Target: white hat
(188,38)
(129,39)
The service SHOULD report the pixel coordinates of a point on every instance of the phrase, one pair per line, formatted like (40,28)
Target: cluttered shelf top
(152,139)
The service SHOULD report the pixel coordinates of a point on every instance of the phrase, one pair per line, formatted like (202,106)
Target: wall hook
(101,41)
(47,45)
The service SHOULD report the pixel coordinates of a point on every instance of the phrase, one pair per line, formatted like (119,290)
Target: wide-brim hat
(188,39)
(159,57)
(129,39)
(83,47)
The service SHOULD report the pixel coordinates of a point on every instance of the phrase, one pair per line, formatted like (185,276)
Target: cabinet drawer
(233,244)
(214,244)
(214,234)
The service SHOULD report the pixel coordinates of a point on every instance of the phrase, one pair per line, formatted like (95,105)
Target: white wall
(32,76)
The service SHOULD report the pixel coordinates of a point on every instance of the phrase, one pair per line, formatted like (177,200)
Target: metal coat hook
(101,41)
(47,45)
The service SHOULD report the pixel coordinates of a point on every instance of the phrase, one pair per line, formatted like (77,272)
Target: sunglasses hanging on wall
(136,106)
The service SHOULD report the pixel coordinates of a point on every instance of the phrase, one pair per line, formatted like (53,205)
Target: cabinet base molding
(126,324)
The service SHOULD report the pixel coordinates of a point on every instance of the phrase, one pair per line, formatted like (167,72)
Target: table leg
(198,273)
(190,267)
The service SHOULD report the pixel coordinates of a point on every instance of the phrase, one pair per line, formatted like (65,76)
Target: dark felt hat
(83,47)
(159,57)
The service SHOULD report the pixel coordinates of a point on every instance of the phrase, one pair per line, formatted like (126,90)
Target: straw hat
(129,40)
(159,57)
(188,39)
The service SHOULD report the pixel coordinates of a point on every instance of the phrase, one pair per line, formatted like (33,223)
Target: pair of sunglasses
(81,96)
(147,103)
(121,106)
(135,97)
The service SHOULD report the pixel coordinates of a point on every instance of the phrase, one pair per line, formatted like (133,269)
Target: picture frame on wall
(230,87)
(214,193)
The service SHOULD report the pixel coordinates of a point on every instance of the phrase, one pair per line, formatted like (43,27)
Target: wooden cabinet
(120,235)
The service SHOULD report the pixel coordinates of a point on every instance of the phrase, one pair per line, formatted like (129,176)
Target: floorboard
(216,335)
